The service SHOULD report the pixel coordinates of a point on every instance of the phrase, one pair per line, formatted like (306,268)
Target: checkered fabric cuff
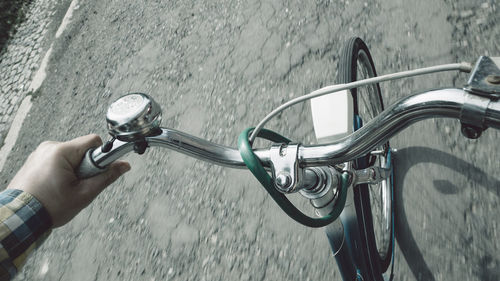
(24,225)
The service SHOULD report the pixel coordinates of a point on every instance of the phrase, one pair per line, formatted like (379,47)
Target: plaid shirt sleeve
(24,225)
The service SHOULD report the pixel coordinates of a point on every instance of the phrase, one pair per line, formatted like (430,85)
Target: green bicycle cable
(255,166)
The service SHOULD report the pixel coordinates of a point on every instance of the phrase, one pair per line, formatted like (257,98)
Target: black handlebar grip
(88,168)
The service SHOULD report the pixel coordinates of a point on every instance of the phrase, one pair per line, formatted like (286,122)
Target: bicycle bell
(133,117)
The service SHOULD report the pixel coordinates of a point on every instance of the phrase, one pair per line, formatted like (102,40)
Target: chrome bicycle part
(380,186)
(472,115)
(137,126)
(134,121)
(463,67)
(133,117)
(485,78)
(287,174)
(437,103)
(324,192)
(372,175)
(483,87)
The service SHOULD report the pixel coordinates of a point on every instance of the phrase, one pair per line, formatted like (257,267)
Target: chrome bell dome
(133,117)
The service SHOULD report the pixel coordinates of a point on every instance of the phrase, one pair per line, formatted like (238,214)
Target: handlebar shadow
(405,159)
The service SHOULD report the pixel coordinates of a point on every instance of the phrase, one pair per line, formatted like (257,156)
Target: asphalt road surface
(217,67)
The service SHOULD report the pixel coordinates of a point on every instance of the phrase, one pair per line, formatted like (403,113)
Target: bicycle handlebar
(437,103)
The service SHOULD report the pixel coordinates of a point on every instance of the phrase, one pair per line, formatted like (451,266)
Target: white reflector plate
(332,116)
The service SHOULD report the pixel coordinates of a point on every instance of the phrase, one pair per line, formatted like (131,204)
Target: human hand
(49,175)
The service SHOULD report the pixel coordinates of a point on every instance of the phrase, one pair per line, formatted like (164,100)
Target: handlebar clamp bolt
(283,150)
(283,181)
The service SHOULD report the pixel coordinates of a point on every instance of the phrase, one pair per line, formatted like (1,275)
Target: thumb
(75,149)
(98,183)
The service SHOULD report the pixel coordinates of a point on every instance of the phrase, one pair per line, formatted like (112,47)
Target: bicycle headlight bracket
(485,78)
(483,87)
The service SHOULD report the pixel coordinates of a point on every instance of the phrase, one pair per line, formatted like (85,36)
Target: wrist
(28,208)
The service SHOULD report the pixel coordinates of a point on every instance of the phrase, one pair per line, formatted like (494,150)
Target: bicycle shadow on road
(407,158)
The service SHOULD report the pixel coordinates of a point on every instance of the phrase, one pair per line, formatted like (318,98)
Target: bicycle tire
(376,239)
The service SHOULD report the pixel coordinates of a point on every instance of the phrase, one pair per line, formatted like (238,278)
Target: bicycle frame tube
(437,103)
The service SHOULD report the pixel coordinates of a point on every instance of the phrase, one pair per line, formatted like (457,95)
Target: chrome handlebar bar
(183,143)
(437,103)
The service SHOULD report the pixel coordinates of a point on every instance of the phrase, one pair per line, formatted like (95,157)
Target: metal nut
(493,79)
(283,181)
(283,150)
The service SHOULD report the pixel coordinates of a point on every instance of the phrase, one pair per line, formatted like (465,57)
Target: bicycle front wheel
(373,203)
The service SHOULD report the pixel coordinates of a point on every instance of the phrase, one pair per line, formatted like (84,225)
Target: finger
(47,143)
(75,149)
(95,185)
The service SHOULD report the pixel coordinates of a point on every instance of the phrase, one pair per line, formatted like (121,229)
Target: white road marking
(11,138)
(67,18)
(41,72)
(36,82)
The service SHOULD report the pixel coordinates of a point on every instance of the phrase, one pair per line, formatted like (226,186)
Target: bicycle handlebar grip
(88,168)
